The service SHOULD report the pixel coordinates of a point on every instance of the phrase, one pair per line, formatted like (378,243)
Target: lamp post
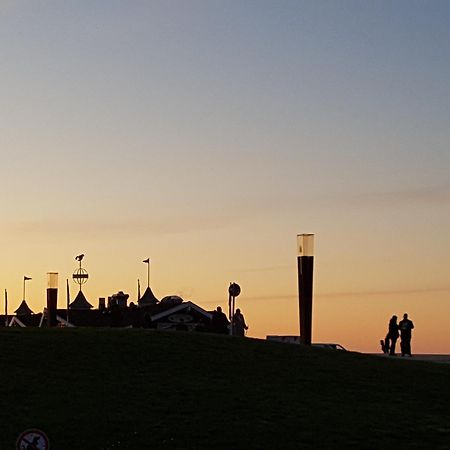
(52,298)
(305,265)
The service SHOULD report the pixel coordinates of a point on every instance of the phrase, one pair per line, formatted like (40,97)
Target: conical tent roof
(148,298)
(80,302)
(23,309)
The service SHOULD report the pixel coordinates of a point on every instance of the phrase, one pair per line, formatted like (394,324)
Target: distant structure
(305,268)
(23,309)
(148,299)
(80,277)
(171,313)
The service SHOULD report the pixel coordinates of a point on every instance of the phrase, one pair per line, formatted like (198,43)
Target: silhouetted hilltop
(130,389)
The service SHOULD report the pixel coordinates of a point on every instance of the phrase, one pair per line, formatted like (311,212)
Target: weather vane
(80,276)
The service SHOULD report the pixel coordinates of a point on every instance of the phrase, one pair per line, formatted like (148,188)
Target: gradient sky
(207,134)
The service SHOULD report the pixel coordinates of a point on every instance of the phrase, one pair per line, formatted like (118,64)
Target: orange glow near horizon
(269,299)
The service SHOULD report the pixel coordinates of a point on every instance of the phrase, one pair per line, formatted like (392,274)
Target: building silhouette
(170,313)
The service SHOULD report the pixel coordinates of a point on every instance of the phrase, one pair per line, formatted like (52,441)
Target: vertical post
(147,261)
(6,308)
(68,300)
(234,290)
(80,272)
(52,298)
(305,266)
(25,279)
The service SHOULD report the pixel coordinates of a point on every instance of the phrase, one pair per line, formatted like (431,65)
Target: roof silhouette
(23,309)
(148,298)
(80,302)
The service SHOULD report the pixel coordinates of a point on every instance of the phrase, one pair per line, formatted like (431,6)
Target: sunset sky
(207,134)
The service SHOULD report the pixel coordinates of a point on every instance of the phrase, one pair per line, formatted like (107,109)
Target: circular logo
(32,440)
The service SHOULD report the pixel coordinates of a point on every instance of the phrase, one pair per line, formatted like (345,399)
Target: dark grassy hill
(136,389)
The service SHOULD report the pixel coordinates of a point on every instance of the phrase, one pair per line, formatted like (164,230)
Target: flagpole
(147,261)
(25,279)
(139,290)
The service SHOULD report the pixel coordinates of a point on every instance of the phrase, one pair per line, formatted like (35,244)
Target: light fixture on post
(52,298)
(305,265)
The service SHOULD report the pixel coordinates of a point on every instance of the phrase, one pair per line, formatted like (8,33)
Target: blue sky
(144,126)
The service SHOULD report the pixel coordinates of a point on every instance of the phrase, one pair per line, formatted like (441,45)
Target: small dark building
(80,303)
(120,299)
(148,299)
(23,309)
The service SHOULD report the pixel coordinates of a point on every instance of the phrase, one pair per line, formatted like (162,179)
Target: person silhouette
(219,321)
(406,327)
(239,325)
(392,335)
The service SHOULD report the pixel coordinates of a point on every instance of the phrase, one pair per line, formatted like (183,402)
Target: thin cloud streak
(351,294)
(161,226)
(262,269)
(425,195)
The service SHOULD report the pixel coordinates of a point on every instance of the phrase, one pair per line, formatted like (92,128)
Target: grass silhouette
(140,389)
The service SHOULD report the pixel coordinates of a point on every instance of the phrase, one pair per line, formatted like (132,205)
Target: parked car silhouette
(329,345)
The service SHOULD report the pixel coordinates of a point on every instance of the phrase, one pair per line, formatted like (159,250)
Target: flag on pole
(27,278)
(147,261)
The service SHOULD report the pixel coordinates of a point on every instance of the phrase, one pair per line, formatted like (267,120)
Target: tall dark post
(52,298)
(305,264)
(147,261)
(67,300)
(6,308)
(234,290)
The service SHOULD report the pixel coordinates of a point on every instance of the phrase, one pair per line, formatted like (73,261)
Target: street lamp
(305,265)
(52,298)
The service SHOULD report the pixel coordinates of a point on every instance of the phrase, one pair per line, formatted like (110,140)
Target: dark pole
(52,298)
(25,279)
(6,308)
(80,270)
(147,261)
(305,266)
(68,299)
(234,290)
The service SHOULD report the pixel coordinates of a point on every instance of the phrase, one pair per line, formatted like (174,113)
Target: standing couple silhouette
(402,329)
